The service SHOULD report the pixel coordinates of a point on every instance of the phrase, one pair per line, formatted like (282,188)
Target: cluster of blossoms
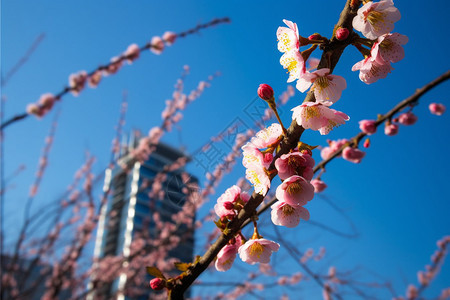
(327,88)
(255,250)
(375,20)
(77,81)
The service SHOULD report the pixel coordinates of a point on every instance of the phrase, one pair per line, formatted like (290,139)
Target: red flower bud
(314,36)
(342,33)
(265,92)
(228,205)
(157,284)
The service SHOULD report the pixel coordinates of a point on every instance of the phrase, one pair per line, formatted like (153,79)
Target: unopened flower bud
(391,129)
(437,108)
(314,36)
(407,118)
(228,205)
(368,126)
(342,33)
(319,185)
(157,284)
(353,155)
(265,92)
(366,143)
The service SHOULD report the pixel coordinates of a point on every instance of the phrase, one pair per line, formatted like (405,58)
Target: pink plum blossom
(156,45)
(132,53)
(388,48)
(366,143)
(94,79)
(295,191)
(371,70)
(319,117)
(407,118)
(257,175)
(293,61)
(295,163)
(319,185)
(334,146)
(437,108)
(369,127)
(46,102)
(376,18)
(226,257)
(257,251)
(284,214)
(225,203)
(33,109)
(313,63)
(253,156)
(288,37)
(77,82)
(391,129)
(267,136)
(169,37)
(353,155)
(327,87)
(114,66)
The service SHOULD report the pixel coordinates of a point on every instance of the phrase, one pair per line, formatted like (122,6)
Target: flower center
(294,188)
(386,44)
(256,249)
(375,18)
(322,82)
(287,210)
(311,112)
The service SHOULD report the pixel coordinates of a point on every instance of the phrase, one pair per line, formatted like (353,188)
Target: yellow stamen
(256,249)
(287,210)
(294,188)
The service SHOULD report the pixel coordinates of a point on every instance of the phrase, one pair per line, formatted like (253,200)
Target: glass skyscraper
(130,209)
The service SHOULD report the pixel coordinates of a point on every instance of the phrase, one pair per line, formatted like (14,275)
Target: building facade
(130,210)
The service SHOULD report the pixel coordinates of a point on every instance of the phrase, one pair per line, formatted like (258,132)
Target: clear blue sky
(397,197)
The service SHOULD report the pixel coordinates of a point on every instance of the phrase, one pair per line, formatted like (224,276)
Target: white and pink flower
(253,155)
(157,45)
(295,191)
(371,70)
(257,251)
(388,48)
(295,163)
(334,146)
(132,53)
(169,37)
(293,61)
(287,215)
(225,203)
(288,37)
(77,82)
(267,136)
(226,257)
(257,175)
(376,18)
(327,87)
(319,117)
